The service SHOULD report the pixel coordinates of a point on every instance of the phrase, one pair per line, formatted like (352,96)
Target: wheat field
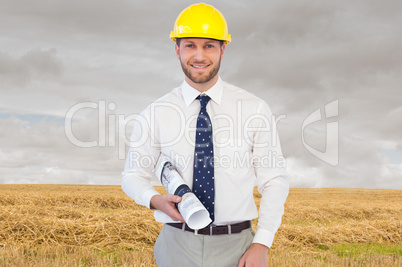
(92,225)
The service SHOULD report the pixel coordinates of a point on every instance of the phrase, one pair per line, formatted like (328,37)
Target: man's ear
(223,46)
(176,47)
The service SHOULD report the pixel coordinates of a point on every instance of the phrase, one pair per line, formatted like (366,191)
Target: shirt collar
(190,93)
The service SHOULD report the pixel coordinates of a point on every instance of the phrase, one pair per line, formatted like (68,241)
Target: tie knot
(203,100)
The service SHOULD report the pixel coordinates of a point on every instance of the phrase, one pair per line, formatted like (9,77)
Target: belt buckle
(210,230)
(195,231)
(229,229)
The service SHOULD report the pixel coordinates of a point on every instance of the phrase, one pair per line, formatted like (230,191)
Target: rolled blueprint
(190,207)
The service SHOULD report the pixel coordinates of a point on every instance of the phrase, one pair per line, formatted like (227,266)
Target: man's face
(200,58)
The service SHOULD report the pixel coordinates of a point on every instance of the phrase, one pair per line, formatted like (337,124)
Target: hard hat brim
(200,35)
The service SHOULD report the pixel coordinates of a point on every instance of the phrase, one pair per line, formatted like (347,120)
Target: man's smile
(200,66)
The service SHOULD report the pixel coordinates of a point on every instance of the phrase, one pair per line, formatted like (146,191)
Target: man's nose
(199,54)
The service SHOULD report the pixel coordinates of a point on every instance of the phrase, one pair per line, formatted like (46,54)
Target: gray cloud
(296,56)
(128,21)
(43,148)
(33,65)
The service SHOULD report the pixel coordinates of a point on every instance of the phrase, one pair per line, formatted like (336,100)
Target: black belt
(215,230)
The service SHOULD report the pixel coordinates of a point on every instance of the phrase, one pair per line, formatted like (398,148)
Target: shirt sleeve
(272,178)
(138,176)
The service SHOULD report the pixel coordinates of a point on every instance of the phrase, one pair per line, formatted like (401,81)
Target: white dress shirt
(246,153)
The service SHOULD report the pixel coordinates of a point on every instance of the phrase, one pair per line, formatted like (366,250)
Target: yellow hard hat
(202,21)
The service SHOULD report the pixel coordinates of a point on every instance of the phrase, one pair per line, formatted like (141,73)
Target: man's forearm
(274,195)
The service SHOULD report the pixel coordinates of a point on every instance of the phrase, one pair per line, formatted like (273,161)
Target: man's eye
(210,46)
(189,45)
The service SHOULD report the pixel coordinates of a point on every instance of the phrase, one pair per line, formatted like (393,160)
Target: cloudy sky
(99,62)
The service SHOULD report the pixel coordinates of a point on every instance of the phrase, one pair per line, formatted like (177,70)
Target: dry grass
(82,225)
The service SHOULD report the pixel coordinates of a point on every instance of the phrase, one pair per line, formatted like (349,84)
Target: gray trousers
(175,247)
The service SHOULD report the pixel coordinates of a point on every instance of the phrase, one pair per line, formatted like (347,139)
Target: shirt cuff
(264,237)
(148,195)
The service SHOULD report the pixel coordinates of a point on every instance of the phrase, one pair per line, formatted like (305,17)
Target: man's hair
(178,40)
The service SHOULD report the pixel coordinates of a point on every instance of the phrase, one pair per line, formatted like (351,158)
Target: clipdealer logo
(118,122)
(331,153)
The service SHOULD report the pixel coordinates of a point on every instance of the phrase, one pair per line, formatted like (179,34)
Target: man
(222,141)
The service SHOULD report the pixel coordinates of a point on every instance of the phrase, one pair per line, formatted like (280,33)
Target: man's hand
(166,204)
(255,256)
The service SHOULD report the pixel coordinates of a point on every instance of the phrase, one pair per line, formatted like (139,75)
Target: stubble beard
(201,79)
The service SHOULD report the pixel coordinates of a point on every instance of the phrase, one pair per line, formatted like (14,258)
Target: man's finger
(173,198)
(241,262)
(177,216)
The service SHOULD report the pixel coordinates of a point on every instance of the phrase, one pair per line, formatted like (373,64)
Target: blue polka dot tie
(203,178)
